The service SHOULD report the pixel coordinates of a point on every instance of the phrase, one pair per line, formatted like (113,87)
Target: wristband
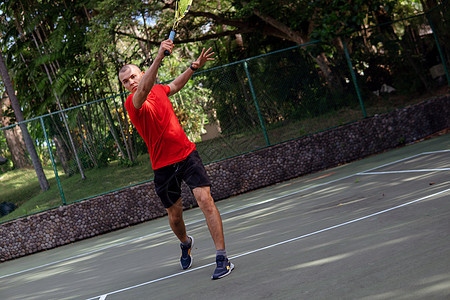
(192,68)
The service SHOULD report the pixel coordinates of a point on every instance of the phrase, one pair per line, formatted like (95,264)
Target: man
(173,156)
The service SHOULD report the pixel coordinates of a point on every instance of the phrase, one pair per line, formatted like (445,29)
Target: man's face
(130,78)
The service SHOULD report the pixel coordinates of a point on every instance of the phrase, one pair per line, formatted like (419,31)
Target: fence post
(355,83)
(441,54)
(261,121)
(61,192)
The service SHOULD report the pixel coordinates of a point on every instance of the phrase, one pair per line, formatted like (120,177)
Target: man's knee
(204,200)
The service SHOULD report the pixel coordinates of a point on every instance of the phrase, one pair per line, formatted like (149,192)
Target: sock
(187,242)
(221,252)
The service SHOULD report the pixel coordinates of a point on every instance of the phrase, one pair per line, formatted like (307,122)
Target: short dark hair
(126,67)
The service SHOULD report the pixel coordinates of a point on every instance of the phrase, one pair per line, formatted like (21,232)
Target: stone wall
(233,176)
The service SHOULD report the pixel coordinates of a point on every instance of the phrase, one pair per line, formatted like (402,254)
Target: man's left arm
(181,80)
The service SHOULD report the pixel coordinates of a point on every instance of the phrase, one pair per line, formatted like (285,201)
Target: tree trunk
(130,137)
(63,154)
(14,137)
(26,135)
(333,81)
(110,119)
(62,146)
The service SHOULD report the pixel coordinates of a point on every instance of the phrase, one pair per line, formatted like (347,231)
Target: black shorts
(168,179)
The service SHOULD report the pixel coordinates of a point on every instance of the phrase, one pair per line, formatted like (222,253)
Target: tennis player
(173,156)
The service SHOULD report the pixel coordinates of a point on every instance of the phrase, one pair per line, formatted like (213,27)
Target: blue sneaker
(186,258)
(224,267)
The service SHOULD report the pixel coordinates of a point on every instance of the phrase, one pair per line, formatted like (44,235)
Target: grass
(22,187)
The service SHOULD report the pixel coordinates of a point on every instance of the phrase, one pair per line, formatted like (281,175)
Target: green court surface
(377,228)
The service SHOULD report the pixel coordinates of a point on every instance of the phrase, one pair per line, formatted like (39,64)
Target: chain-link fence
(92,149)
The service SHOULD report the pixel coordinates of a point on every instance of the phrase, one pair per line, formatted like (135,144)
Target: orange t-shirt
(158,125)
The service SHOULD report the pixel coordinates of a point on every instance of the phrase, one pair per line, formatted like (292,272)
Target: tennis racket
(181,9)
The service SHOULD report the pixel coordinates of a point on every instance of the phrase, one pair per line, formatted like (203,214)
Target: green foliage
(85,161)
(333,18)
(126,163)
(106,152)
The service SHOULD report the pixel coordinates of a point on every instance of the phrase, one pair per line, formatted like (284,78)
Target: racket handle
(171,37)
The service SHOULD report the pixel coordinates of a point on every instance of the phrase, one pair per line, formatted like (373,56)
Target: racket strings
(177,15)
(182,8)
(177,10)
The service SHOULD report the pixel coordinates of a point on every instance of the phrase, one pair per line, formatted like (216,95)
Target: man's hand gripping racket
(181,9)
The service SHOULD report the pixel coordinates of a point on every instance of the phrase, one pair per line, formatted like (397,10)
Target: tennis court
(378,228)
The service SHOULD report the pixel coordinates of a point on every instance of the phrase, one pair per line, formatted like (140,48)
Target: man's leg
(214,222)
(176,222)
(175,213)
(212,215)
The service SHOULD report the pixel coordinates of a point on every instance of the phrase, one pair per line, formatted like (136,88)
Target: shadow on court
(378,228)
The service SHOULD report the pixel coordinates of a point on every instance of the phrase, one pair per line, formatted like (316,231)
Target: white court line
(403,159)
(405,171)
(103,297)
(201,220)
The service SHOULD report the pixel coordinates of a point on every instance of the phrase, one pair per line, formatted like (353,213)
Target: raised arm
(148,79)
(181,80)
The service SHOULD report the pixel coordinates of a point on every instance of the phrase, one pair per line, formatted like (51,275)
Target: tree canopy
(80,44)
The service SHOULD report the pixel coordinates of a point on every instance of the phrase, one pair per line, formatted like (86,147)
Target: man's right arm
(149,77)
